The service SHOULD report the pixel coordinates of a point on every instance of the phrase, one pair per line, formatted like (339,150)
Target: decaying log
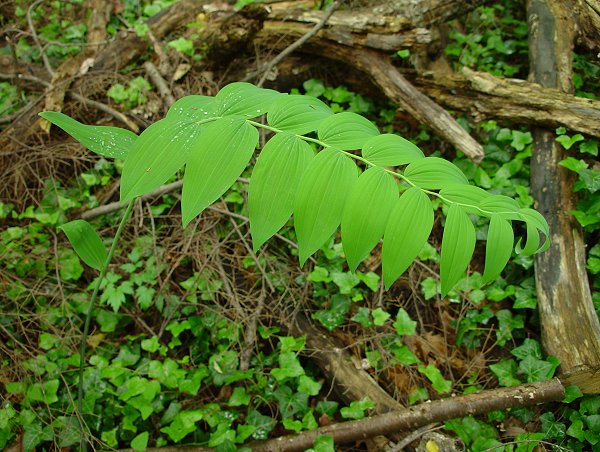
(570,327)
(587,16)
(485,96)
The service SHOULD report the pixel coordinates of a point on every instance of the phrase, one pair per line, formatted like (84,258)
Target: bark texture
(570,327)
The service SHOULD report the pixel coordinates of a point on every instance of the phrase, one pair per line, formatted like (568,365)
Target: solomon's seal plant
(325,169)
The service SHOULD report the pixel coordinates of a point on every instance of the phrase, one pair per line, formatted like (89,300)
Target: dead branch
(160,84)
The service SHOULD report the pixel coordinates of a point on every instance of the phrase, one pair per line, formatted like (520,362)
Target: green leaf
(192,108)
(298,114)
(432,173)
(390,150)
(85,242)
(239,397)
(157,154)
(308,385)
(458,244)
(103,140)
(568,141)
(222,152)
(589,147)
(140,442)
(339,305)
(404,325)
(576,430)
(506,207)
(45,392)
(346,131)
(357,409)
(536,369)
(366,214)
(572,392)
(274,183)
(499,247)
(465,194)
(321,197)
(380,316)
(438,382)
(505,372)
(289,367)
(408,228)
(536,220)
(346,281)
(244,99)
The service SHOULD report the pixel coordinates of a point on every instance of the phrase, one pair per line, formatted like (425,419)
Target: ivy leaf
(346,131)
(222,152)
(244,99)
(567,141)
(458,244)
(86,242)
(320,199)
(157,154)
(438,382)
(404,325)
(380,316)
(499,247)
(390,150)
(140,442)
(589,147)
(465,194)
(273,185)
(298,114)
(366,214)
(433,173)
(408,228)
(193,108)
(107,141)
(505,372)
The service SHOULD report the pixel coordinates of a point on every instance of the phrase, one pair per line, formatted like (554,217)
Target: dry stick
(297,44)
(420,415)
(160,83)
(37,39)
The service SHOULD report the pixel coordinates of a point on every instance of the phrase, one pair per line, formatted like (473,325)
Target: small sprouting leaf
(193,108)
(408,228)
(320,199)
(498,248)
(502,205)
(157,154)
(433,173)
(103,140)
(346,131)
(467,195)
(458,244)
(273,184)
(298,114)
(221,154)
(244,99)
(366,213)
(85,242)
(390,150)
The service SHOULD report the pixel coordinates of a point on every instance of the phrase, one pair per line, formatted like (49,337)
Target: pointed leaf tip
(86,242)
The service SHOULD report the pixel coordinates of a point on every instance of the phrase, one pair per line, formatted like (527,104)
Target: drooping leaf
(390,150)
(298,114)
(407,230)
(502,205)
(346,131)
(433,173)
(244,99)
(157,154)
(537,220)
(103,140)
(466,195)
(221,154)
(86,242)
(498,248)
(320,199)
(274,183)
(533,240)
(458,244)
(193,108)
(366,213)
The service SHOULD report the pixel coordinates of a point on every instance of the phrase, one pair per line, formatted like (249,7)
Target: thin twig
(106,109)
(160,83)
(37,39)
(295,45)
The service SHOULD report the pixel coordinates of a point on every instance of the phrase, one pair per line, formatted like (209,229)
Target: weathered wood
(570,327)
(587,16)
(485,96)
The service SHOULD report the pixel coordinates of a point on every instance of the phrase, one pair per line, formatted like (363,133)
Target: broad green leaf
(506,207)
(157,154)
(298,114)
(346,131)
(533,241)
(140,442)
(221,154)
(320,200)
(408,228)
(466,195)
(537,220)
(366,213)
(193,108)
(103,140)
(273,184)
(244,99)
(404,325)
(433,173)
(498,248)
(390,150)
(458,244)
(85,242)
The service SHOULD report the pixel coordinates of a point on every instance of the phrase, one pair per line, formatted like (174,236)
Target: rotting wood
(570,327)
